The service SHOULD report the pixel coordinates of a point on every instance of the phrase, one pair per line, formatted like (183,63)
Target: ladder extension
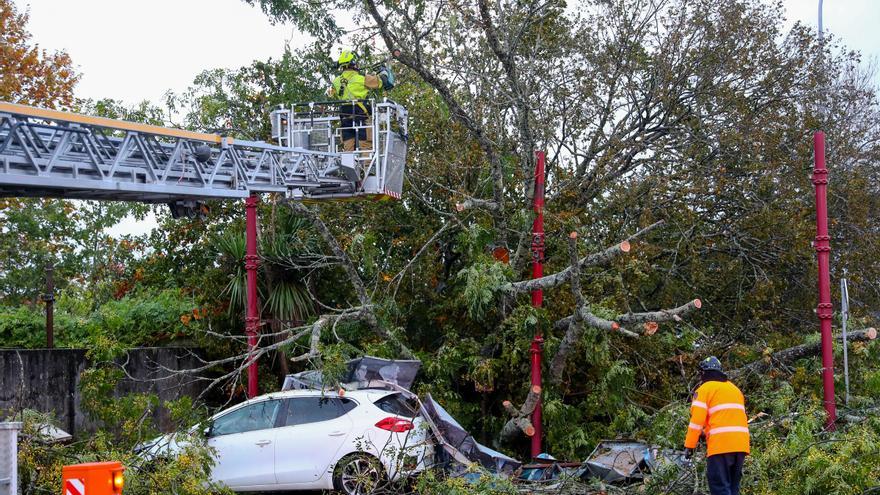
(48,153)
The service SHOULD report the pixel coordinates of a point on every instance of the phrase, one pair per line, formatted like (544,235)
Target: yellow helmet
(346,57)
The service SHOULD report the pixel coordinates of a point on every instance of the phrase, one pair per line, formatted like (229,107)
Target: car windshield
(398,405)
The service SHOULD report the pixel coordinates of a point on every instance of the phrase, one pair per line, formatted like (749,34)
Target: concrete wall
(47,380)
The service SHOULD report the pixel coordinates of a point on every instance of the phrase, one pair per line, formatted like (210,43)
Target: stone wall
(47,380)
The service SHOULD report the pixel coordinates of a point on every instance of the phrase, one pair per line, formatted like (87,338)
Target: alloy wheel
(359,476)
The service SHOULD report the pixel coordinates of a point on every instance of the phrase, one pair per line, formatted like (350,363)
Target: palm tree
(285,253)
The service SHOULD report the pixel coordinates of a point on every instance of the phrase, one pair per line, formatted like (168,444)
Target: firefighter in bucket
(353,85)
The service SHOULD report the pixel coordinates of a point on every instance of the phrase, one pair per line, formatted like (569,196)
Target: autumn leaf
(29,75)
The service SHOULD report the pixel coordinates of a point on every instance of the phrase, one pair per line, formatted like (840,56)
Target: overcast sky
(134,50)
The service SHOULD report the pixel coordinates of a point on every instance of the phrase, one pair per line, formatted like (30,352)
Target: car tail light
(396,425)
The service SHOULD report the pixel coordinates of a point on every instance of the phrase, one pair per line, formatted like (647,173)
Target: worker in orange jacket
(719,413)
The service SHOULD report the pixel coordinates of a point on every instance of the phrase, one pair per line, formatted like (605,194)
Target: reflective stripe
(697,403)
(695,426)
(729,429)
(730,405)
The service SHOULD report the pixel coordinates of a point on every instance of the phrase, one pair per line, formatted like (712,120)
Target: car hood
(163,446)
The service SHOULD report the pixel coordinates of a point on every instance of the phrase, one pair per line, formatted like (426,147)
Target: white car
(308,439)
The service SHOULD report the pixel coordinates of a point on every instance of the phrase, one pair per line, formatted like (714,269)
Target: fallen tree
(582,317)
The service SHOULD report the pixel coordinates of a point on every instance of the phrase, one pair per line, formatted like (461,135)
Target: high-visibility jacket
(719,411)
(352,85)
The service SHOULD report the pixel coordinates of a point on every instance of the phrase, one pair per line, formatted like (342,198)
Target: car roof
(363,395)
(368,394)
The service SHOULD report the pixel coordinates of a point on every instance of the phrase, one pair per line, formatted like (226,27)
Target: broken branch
(367,313)
(792,354)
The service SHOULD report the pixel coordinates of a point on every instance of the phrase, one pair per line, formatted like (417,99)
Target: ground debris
(614,467)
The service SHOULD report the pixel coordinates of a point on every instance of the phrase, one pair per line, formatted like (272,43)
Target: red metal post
(823,251)
(537,295)
(251,263)
(49,298)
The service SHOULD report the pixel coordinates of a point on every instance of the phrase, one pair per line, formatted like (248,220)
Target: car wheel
(358,474)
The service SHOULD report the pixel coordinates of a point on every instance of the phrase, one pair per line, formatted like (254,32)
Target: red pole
(537,295)
(251,262)
(49,297)
(823,251)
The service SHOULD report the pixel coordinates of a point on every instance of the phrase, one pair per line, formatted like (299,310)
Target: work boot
(348,145)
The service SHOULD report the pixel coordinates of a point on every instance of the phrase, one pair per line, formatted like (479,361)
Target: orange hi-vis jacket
(719,411)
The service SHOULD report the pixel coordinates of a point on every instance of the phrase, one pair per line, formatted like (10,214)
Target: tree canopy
(678,140)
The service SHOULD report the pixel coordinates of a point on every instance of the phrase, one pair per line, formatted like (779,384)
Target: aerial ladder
(49,153)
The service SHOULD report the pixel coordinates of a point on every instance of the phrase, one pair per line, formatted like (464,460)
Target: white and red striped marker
(75,486)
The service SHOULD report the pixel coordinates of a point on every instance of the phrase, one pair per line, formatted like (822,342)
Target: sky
(137,50)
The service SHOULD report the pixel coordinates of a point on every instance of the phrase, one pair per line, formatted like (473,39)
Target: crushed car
(308,438)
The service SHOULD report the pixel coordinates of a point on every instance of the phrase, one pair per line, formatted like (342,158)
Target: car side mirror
(207,430)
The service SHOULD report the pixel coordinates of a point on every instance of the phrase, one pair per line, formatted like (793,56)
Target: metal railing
(317,127)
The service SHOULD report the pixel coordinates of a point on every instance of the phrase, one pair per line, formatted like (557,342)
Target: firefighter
(718,412)
(352,84)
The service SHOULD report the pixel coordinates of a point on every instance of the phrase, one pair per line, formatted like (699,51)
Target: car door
(314,429)
(244,442)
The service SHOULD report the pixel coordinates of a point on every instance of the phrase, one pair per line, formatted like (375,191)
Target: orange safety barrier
(94,478)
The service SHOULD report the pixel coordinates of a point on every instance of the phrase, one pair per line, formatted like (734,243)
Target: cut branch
(558,278)
(575,325)
(472,203)
(661,315)
(649,319)
(792,354)
(519,421)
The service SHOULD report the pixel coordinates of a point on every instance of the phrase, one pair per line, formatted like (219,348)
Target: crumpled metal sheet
(628,460)
(618,460)
(362,372)
(460,445)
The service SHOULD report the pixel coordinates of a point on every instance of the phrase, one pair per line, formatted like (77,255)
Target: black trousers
(724,472)
(351,116)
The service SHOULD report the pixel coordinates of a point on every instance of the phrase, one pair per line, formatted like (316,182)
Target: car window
(398,405)
(304,410)
(259,416)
